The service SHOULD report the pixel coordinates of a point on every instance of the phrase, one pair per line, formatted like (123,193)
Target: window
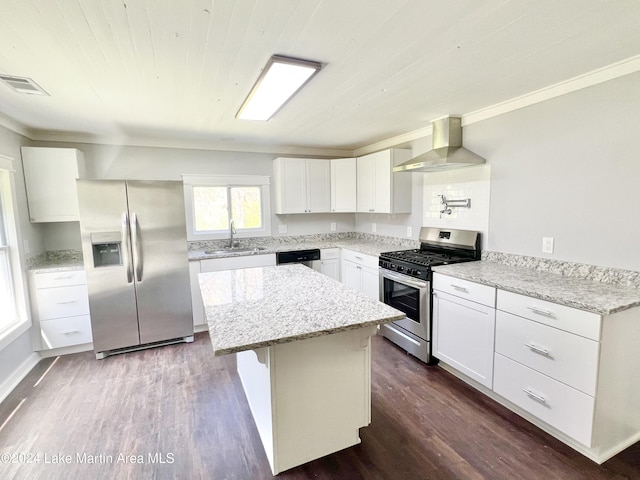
(213,201)
(14,319)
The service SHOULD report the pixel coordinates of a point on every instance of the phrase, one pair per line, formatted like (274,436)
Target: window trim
(262,181)
(12,225)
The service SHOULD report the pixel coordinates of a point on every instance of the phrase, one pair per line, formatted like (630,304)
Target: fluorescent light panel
(280,79)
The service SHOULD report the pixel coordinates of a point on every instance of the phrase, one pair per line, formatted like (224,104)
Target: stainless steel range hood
(447,153)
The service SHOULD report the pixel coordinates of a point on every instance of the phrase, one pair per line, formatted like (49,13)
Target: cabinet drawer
(360,258)
(570,319)
(60,279)
(64,332)
(564,356)
(555,403)
(475,292)
(329,253)
(62,302)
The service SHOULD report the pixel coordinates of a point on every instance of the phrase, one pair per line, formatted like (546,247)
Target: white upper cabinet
(302,185)
(343,185)
(379,190)
(50,177)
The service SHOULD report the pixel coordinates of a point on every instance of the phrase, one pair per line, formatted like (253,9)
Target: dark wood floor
(181,406)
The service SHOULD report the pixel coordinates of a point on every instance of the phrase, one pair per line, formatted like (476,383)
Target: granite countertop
(362,246)
(44,264)
(257,307)
(593,296)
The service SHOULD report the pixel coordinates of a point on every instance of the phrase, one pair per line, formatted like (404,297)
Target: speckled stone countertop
(581,293)
(363,243)
(56,261)
(257,307)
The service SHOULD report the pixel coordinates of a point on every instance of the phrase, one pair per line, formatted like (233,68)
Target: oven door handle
(404,280)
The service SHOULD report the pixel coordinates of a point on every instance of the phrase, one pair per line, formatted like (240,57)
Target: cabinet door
(382,182)
(463,336)
(291,185)
(50,178)
(318,177)
(331,268)
(370,283)
(343,185)
(365,184)
(351,275)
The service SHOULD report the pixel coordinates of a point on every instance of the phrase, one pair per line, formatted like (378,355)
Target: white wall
(18,351)
(567,168)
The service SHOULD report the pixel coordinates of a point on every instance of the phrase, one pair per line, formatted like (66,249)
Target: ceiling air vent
(23,85)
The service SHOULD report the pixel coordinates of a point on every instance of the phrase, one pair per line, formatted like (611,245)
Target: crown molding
(589,79)
(15,126)
(189,144)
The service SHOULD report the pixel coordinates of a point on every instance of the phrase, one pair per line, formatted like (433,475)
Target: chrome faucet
(232,232)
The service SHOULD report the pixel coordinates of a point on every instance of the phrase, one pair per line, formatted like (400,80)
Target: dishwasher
(305,257)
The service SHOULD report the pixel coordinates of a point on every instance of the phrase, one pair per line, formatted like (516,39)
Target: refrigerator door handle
(137,250)
(125,246)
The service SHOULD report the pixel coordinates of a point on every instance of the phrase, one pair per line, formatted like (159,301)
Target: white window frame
(264,182)
(22,321)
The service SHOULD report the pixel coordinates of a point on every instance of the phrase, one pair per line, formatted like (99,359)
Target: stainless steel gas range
(405,284)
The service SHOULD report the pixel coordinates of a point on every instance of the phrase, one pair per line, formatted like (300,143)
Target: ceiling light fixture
(280,79)
(23,85)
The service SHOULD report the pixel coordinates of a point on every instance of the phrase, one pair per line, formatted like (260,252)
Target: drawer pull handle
(535,396)
(68,302)
(537,349)
(460,288)
(63,277)
(70,332)
(540,311)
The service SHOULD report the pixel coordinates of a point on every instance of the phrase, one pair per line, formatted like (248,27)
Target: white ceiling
(179,70)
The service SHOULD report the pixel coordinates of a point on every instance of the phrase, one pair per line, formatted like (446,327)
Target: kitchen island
(303,353)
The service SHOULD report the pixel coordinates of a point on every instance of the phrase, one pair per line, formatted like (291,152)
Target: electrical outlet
(27,247)
(547,244)
(333,226)
(282,229)
(409,232)
(374,227)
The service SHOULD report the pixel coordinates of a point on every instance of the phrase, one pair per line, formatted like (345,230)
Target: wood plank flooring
(177,412)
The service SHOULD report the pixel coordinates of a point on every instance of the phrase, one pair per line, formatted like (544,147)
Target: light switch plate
(409,232)
(547,244)
(282,229)
(374,227)
(333,226)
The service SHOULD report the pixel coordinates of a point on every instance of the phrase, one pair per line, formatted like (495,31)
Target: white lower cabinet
(360,272)
(463,327)
(568,371)
(329,263)
(60,308)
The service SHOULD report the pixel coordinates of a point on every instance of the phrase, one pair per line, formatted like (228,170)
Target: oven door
(411,296)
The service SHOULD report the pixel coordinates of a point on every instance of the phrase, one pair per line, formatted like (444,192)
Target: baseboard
(56,352)
(18,374)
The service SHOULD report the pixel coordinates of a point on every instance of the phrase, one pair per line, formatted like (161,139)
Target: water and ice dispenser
(107,249)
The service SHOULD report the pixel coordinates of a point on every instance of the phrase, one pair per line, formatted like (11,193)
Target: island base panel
(309,398)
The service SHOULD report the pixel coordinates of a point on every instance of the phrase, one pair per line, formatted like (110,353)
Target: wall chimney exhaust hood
(447,153)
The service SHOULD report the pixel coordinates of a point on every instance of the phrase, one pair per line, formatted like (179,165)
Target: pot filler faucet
(232,232)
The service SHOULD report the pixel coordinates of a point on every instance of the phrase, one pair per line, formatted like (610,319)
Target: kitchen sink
(234,250)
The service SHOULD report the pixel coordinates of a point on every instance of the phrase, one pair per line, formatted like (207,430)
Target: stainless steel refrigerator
(135,256)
